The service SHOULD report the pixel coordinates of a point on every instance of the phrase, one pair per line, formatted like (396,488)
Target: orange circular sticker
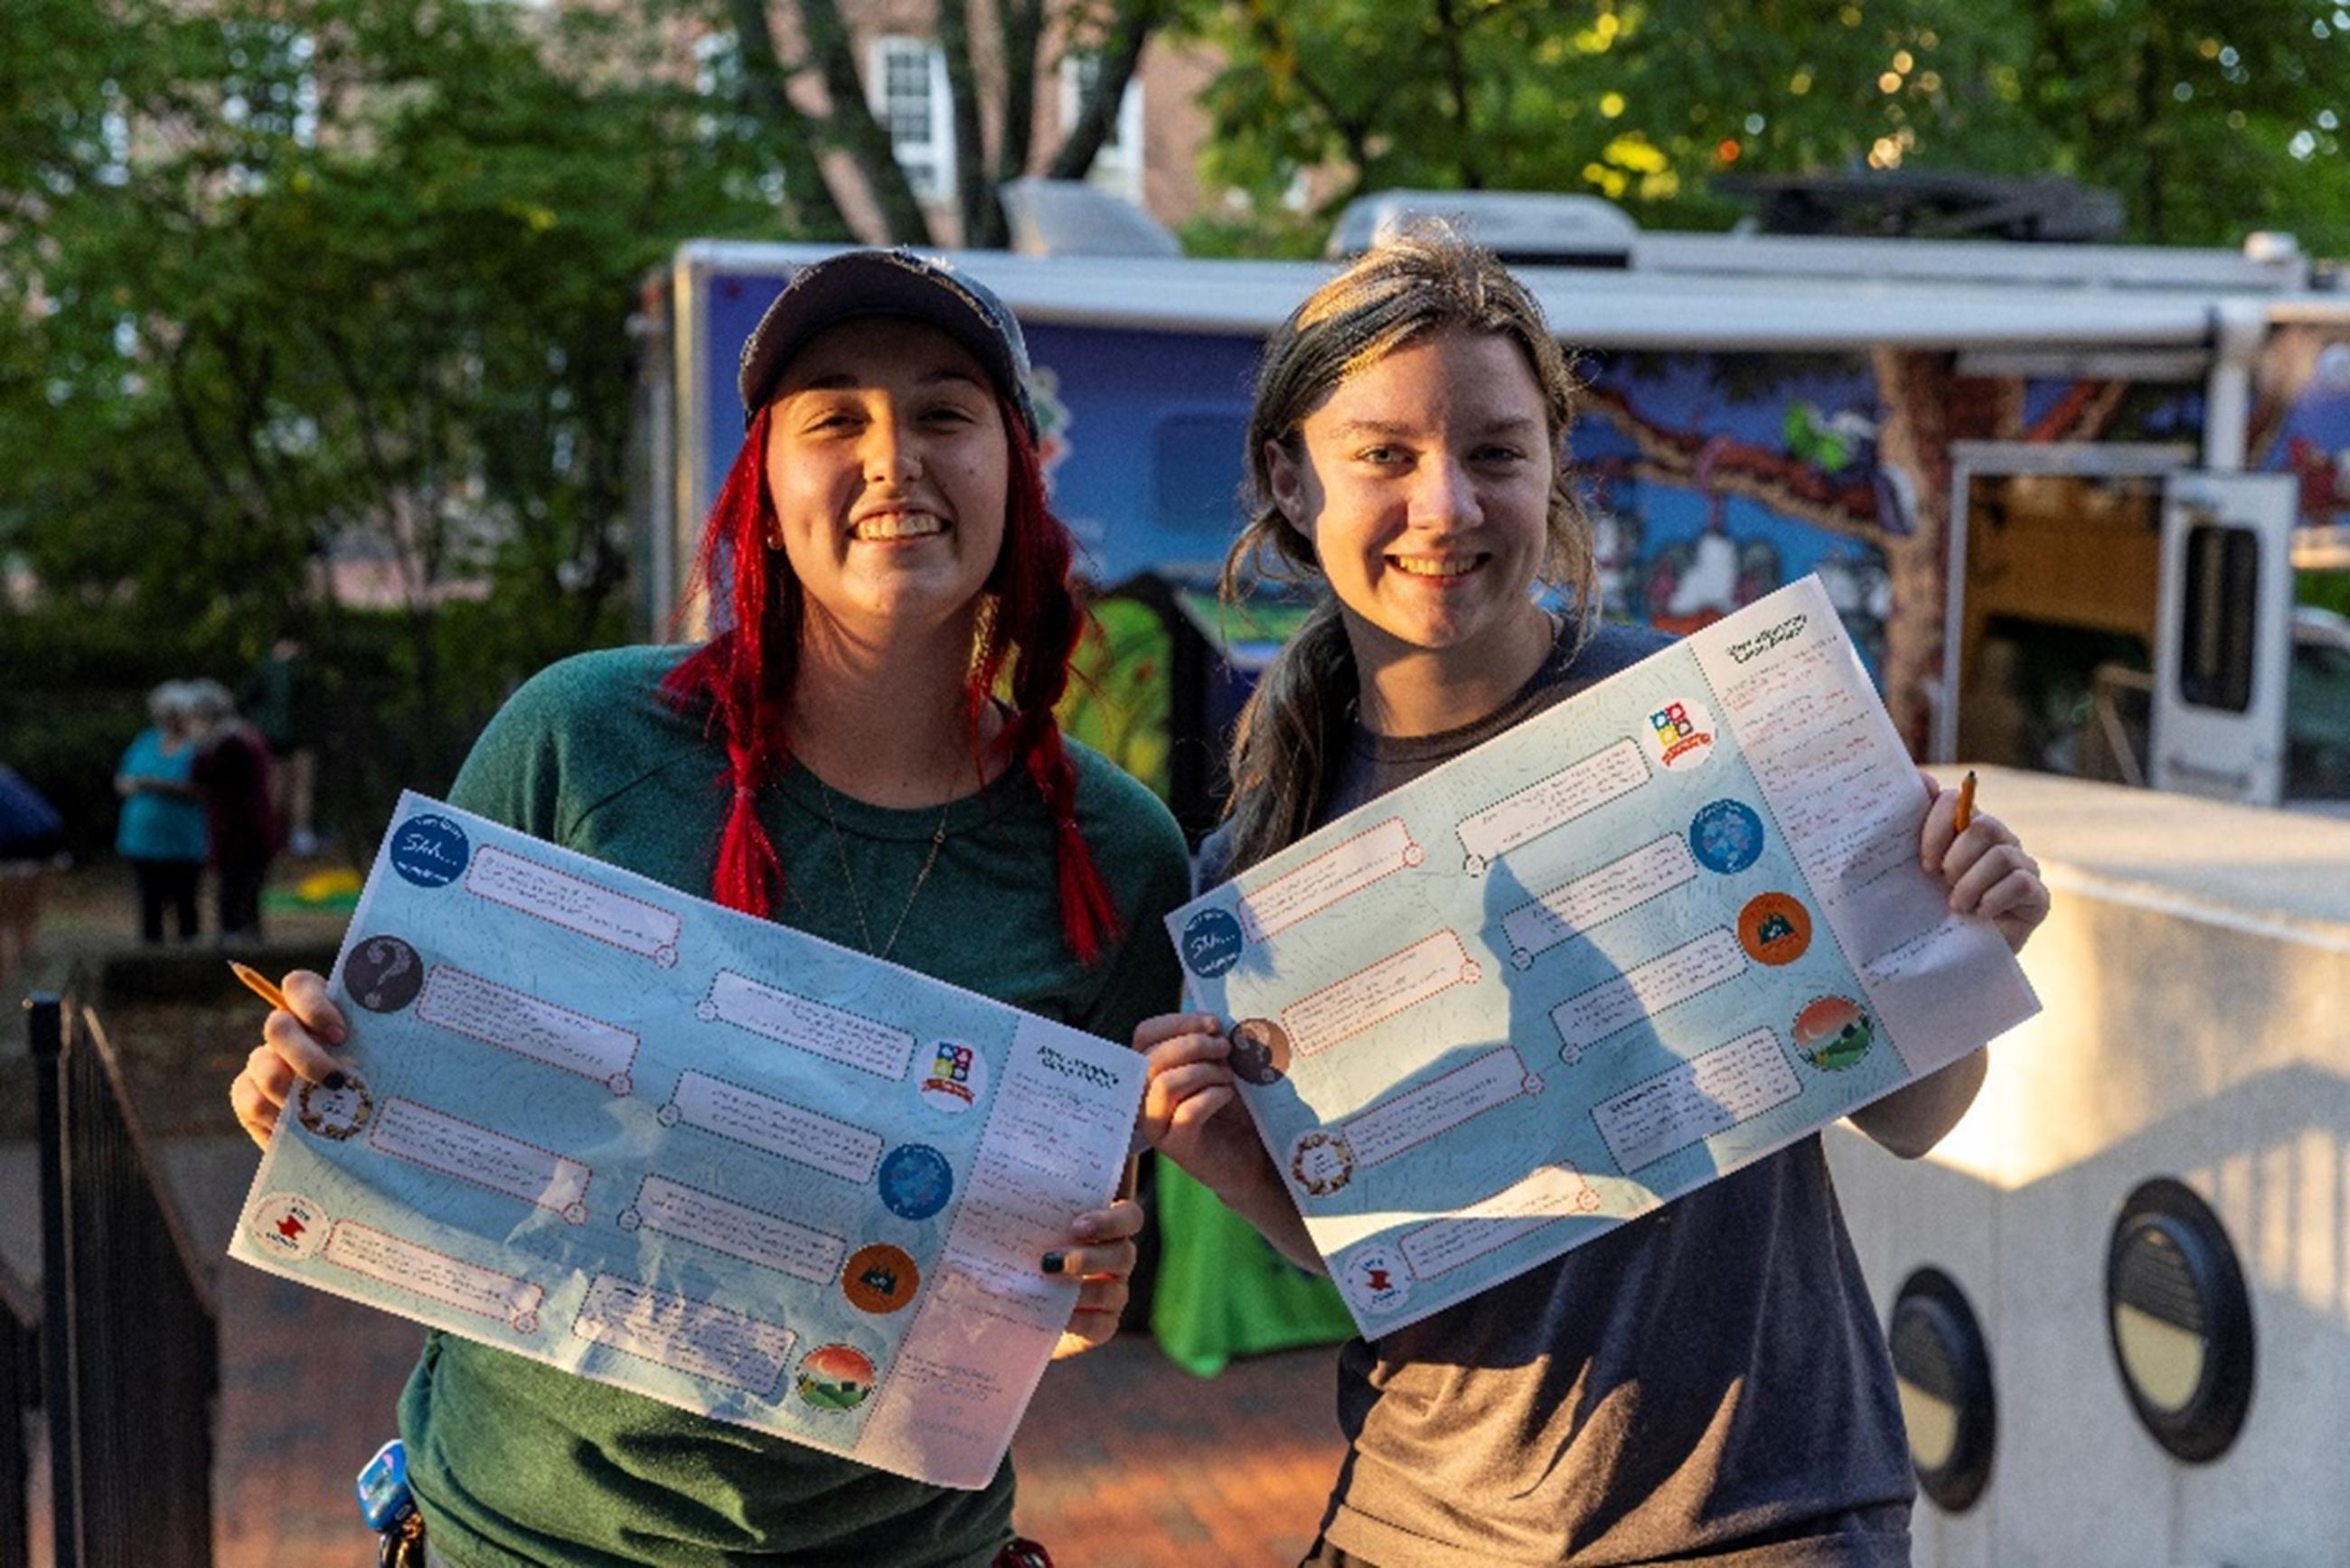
(879,1279)
(1774,929)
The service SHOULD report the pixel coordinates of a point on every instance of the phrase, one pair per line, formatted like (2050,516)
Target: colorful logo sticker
(1774,929)
(1321,1162)
(835,1377)
(1053,421)
(1212,942)
(1832,1032)
(383,974)
(1683,734)
(1260,1052)
(1377,1280)
(916,1181)
(1726,837)
(430,850)
(336,1113)
(879,1279)
(289,1225)
(956,1079)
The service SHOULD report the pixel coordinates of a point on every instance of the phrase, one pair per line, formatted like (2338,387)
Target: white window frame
(1117,167)
(929,160)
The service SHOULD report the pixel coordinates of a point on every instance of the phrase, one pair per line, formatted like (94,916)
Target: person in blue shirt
(161,833)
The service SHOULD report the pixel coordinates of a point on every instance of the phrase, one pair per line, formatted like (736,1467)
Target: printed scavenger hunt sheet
(1665,929)
(599,1123)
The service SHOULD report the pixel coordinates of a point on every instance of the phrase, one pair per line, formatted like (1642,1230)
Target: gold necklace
(848,877)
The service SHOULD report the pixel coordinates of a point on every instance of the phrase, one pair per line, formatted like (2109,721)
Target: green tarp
(1222,1289)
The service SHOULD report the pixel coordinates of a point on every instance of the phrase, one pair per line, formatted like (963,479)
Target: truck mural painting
(1973,444)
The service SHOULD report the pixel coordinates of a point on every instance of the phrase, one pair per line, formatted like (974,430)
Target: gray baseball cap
(886,283)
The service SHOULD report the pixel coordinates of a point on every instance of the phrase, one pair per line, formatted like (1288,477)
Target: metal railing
(20,1398)
(131,1343)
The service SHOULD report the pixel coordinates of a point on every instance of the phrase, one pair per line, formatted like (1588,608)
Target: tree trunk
(854,130)
(1021,24)
(808,205)
(981,214)
(1914,387)
(1130,27)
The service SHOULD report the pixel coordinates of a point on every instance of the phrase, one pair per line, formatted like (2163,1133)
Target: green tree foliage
(350,281)
(2208,120)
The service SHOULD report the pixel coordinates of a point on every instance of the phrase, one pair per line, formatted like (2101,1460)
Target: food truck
(2061,493)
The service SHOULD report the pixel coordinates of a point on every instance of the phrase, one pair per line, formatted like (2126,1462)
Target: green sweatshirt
(515,1462)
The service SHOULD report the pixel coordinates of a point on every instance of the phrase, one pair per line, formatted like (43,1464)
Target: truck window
(2215,657)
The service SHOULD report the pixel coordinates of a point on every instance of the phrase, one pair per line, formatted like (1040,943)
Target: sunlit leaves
(2208,119)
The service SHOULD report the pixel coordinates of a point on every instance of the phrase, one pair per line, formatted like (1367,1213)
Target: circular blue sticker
(916,1181)
(430,851)
(1211,943)
(1726,835)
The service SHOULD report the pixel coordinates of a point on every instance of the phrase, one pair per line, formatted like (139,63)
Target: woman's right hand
(1191,1110)
(294,1045)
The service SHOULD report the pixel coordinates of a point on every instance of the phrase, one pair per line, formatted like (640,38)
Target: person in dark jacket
(232,773)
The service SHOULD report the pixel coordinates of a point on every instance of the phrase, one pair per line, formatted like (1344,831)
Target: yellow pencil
(1966,812)
(258,984)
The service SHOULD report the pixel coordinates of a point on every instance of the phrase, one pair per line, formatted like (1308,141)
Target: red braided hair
(743,675)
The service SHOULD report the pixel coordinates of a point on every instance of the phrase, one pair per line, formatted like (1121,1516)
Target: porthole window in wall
(1942,1368)
(2181,1319)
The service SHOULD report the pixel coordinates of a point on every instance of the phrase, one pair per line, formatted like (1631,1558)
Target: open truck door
(2223,641)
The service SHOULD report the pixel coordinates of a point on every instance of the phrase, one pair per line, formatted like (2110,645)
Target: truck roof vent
(1071,218)
(1536,228)
(1931,203)
(2272,248)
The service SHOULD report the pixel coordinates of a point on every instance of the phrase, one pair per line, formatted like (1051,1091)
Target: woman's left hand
(1101,1257)
(1985,868)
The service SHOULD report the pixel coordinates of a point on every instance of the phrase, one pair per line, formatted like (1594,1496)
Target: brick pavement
(1121,1460)
(1126,1460)
(307,1388)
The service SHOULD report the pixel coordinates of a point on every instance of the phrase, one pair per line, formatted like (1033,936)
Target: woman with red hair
(865,750)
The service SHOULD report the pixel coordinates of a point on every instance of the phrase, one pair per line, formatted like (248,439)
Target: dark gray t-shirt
(1706,1384)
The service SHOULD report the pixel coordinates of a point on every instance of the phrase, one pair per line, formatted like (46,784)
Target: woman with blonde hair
(866,749)
(1706,1384)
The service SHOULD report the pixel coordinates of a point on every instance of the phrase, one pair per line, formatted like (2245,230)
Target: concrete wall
(2196,1030)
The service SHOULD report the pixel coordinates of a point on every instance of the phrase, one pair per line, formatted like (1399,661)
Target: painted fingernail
(1088,1226)
(335,1035)
(1052,1262)
(333,1081)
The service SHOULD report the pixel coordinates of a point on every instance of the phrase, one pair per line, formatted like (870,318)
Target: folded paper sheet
(598,1123)
(1666,928)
